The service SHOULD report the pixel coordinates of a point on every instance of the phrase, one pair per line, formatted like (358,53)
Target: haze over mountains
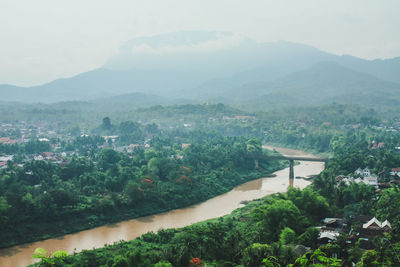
(190,67)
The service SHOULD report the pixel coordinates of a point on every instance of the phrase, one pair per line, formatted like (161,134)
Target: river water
(218,206)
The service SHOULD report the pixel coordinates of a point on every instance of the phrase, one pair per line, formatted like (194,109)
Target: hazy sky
(42,40)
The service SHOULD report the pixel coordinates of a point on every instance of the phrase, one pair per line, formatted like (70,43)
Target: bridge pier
(291,173)
(291,164)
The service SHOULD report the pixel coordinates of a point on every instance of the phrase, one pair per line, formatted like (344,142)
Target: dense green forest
(43,199)
(268,232)
(184,154)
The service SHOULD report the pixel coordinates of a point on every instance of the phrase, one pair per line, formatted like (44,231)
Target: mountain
(96,84)
(198,66)
(386,69)
(323,83)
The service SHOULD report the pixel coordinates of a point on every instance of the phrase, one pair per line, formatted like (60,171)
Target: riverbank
(153,243)
(32,232)
(126,230)
(85,193)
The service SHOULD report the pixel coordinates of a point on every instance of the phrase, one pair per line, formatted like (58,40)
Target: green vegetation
(236,238)
(75,165)
(43,199)
(268,232)
(34,146)
(56,258)
(174,164)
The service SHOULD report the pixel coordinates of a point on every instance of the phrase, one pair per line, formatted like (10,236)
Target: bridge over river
(291,163)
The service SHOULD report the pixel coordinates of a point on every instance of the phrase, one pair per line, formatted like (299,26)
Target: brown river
(218,206)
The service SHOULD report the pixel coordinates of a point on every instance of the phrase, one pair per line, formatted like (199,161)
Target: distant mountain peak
(186,41)
(177,39)
(208,64)
(151,51)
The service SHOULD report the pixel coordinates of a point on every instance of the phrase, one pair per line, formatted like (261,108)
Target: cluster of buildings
(130,148)
(393,126)
(331,229)
(4,159)
(360,176)
(363,228)
(22,132)
(7,141)
(58,158)
(242,118)
(359,228)
(367,177)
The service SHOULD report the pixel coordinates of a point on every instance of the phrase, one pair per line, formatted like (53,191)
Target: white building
(371,180)
(6,158)
(395,171)
(363,172)
(374,223)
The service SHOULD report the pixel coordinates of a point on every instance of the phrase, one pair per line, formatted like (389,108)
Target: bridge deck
(298,158)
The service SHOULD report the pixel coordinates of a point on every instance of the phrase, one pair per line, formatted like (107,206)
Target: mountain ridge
(208,67)
(323,83)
